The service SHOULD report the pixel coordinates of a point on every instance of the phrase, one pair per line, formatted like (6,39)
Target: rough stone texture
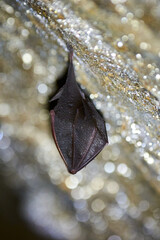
(117,58)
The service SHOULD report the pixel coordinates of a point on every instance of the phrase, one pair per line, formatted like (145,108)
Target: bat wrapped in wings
(78,129)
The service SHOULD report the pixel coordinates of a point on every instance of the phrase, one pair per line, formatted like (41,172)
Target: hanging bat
(78,129)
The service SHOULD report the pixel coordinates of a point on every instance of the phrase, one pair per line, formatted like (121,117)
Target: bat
(78,128)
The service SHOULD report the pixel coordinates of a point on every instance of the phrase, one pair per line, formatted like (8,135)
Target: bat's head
(72,171)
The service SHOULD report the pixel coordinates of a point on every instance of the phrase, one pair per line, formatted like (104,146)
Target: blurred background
(117,59)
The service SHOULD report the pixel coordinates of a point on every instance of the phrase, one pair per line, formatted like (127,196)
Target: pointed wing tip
(107,142)
(52,99)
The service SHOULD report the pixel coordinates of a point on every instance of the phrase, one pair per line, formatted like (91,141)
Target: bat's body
(78,129)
